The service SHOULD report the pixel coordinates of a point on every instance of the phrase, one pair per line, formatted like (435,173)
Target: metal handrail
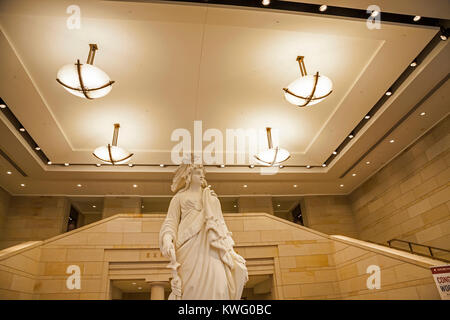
(418,253)
(410,244)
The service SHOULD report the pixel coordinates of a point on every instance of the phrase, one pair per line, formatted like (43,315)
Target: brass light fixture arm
(301,64)
(275,156)
(115,134)
(110,154)
(80,78)
(308,100)
(92,48)
(269,137)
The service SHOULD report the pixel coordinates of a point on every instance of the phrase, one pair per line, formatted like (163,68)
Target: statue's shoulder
(211,191)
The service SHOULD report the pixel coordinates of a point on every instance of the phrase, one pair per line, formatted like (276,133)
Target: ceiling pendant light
(85,80)
(272,156)
(308,90)
(113,154)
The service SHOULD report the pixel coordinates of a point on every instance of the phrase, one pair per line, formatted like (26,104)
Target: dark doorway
(72,223)
(297,214)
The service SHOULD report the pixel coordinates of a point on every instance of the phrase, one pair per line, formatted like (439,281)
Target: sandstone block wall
(302,263)
(409,199)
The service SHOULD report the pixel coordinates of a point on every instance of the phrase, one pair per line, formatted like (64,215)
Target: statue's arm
(169,228)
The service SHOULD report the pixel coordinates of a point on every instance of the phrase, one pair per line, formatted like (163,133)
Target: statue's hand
(167,245)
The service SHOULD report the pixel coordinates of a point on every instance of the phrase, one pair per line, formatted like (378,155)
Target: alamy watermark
(74,20)
(374,20)
(214,147)
(74,280)
(374,280)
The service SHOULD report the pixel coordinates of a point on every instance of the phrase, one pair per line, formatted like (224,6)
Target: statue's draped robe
(210,268)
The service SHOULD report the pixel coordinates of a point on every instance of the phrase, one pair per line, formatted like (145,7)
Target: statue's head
(186,174)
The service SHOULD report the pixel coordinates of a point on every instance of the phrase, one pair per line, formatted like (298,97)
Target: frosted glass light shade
(91,76)
(118,155)
(304,86)
(272,156)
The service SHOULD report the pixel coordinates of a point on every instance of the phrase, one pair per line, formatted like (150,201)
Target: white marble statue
(196,239)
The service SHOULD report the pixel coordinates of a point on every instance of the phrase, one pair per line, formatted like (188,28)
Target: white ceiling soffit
(225,66)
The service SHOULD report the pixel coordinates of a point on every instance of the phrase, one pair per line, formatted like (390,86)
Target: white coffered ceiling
(226,66)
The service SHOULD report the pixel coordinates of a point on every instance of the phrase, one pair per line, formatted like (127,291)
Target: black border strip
(312,8)
(25,135)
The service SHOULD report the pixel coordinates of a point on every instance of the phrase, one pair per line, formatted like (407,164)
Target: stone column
(157,290)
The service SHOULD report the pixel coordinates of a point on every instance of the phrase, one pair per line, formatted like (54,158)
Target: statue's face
(197,176)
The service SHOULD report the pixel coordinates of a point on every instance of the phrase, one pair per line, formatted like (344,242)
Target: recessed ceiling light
(265,2)
(234,206)
(66,164)
(222,166)
(341,186)
(413,64)
(98,164)
(8,172)
(49,162)
(308,166)
(22,184)
(139,288)
(423,113)
(367,162)
(22,129)
(354,174)
(295,186)
(135,185)
(2,106)
(324,165)
(444,34)
(245,186)
(162,165)
(375,13)
(392,141)
(323,8)
(417,18)
(388,93)
(142,207)
(278,205)
(94,206)
(334,152)
(37,148)
(79,185)
(367,117)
